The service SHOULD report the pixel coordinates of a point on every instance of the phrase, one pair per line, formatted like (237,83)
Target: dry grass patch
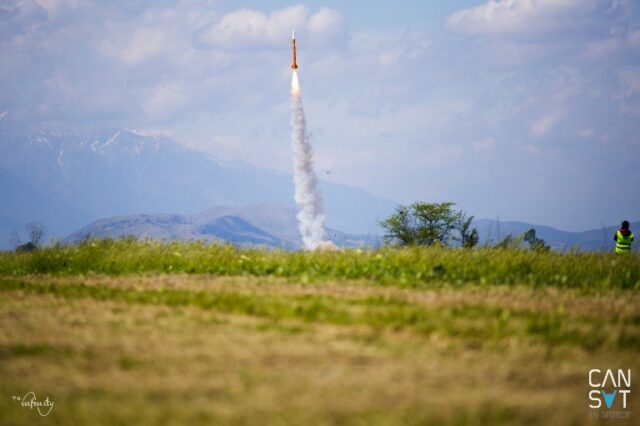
(106,360)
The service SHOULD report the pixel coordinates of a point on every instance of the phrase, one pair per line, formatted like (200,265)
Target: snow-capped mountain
(99,174)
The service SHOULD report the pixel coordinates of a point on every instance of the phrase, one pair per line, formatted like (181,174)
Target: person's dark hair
(625,225)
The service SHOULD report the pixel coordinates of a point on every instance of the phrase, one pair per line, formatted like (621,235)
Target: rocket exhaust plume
(307,196)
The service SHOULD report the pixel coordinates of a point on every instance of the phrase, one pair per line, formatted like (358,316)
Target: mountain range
(276,226)
(261,224)
(491,231)
(69,179)
(126,182)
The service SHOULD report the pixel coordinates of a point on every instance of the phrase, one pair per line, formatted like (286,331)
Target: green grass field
(129,332)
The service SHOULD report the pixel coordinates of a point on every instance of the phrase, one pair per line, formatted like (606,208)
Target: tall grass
(409,267)
(466,319)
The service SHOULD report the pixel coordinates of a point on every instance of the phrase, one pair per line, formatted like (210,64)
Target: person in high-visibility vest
(623,238)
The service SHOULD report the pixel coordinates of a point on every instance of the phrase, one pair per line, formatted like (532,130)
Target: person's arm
(615,237)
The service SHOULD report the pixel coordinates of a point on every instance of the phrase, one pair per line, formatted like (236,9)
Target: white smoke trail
(307,196)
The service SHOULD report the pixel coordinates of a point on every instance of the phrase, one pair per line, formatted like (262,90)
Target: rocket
(293,50)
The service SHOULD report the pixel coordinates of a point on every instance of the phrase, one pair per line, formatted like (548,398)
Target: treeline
(429,224)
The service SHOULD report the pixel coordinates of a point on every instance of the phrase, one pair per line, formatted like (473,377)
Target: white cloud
(250,29)
(409,105)
(585,133)
(440,156)
(54,6)
(143,44)
(486,144)
(326,21)
(533,18)
(601,48)
(531,149)
(411,46)
(166,100)
(546,123)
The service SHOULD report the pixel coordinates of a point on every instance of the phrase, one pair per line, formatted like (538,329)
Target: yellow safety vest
(623,244)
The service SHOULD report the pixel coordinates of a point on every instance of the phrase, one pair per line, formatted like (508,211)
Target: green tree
(429,224)
(535,243)
(509,242)
(435,222)
(469,237)
(401,226)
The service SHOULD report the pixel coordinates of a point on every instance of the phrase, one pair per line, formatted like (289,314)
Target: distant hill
(276,226)
(91,175)
(248,225)
(68,179)
(236,230)
(594,239)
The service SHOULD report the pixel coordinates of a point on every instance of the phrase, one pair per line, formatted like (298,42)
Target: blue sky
(527,109)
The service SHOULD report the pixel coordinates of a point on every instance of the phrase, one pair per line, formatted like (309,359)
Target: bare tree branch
(35,231)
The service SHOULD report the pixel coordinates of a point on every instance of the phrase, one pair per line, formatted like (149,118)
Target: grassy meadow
(135,332)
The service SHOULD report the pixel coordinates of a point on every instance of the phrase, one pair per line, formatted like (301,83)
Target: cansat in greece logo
(610,392)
